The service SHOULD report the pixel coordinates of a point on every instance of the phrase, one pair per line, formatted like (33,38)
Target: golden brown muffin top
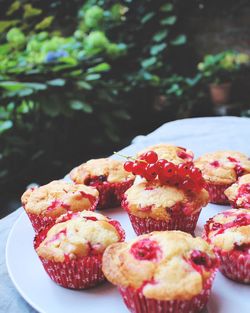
(152,199)
(223,167)
(229,229)
(100,170)
(58,197)
(86,233)
(170,153)
(166,265)
(239,193)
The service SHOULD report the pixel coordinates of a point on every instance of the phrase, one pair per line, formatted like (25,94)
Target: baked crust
(226,230)
(169,277)
(58,197)
(233,192)
(170,152)
(220,167)
(152,199)
(112,169)
(77,237)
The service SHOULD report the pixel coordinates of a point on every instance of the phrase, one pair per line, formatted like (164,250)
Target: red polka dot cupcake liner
(136,302)
(39,221)
(78,273)
(111,194)
(216,193)
(147,225)
(235,265)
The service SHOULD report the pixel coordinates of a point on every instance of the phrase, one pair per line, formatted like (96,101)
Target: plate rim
(12,278)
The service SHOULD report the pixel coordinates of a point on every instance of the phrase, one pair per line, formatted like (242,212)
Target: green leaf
(103,67)
(14,7)
(167,7)
(179,40)
(157,48)
(45,23)
(84,85)
(35,86)
(92,77)
(4,25)
(79,105)
(160,35)
(148,62)
(56,82)
(25,92)
(147,17)
(30,11)
(5,125)
(12,86)
(170,20)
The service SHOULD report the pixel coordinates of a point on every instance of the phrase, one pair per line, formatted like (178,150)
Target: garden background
(80,79)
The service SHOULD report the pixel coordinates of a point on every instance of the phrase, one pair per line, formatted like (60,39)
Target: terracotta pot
(220,94)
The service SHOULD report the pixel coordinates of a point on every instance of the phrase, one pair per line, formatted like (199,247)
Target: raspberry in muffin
(107,176)
(170,153)
(168,271)
(46,203)
(71,250)
(229,233)
(238,194)
(220,170)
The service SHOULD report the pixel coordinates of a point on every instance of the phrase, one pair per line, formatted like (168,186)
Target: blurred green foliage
(224,66)
(80,77)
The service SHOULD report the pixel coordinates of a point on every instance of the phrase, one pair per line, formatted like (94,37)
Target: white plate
(45,296)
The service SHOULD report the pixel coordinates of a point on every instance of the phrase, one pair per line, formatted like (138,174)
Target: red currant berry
(188,185)
(128,166)
(183,169)
(138,168)
(151,171)
(160,163)
(151,157)
(195,173)
(169,169)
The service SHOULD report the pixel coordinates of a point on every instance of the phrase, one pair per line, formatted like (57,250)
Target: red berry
(169,169)
(188,185)
(146,249)
(151,171)
(138,168)
(128,166)
(183,169)
(151,157)
(160,163)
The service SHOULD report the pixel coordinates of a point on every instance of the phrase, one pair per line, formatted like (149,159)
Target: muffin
(220,170)
(46,203)
(170,153)
(229,233)
(71,250)
(156,206)
(167,271)
(238,194)
(107,176)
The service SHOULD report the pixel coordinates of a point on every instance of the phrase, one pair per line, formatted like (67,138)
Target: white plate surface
(45,296)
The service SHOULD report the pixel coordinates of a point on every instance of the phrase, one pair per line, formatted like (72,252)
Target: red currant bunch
(184,175)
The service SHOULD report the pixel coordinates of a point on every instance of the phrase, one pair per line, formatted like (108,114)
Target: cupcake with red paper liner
(229,233)
(220,170)
(107,176)
(168,271)
(169,152)
(45,204)
(71,250)
(238,194)
(170,197)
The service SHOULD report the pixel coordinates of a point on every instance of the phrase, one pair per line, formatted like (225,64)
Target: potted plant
(219,70)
